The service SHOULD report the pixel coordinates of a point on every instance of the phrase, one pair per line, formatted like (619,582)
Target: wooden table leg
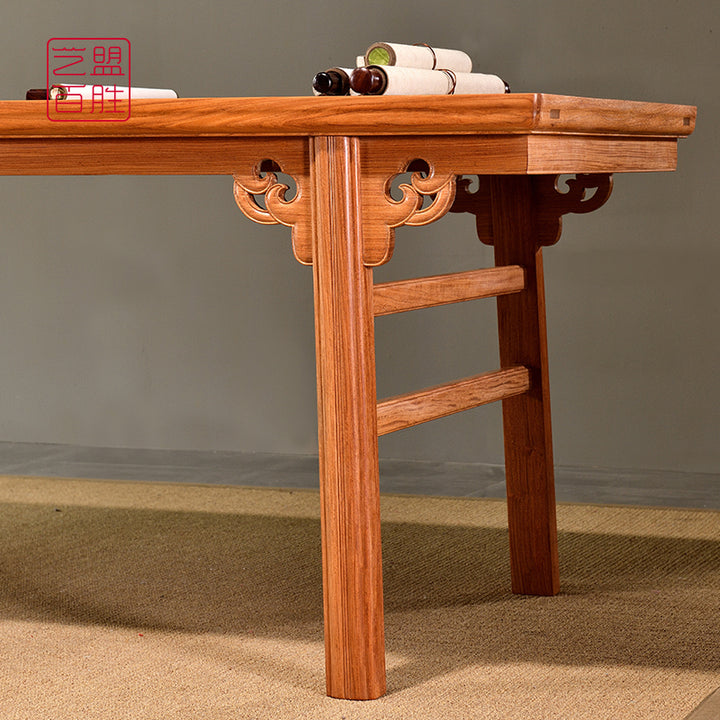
(526,418)
(347,418)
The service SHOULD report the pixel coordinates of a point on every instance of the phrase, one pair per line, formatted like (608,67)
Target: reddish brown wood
(382,115)
(526,418)
(343,219)
(260,180)
(404,411)
(486,155)
(591,154)
(349,482)
(582,194)
(494,154)
(148,156)
(404,295)
(602,116)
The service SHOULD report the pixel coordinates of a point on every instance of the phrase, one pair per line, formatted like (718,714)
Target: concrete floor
(574,484)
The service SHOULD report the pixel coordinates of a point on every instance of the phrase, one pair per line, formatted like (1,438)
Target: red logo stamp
(88,79)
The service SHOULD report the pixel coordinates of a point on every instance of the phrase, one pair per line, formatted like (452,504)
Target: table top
(513,113)
(521,133)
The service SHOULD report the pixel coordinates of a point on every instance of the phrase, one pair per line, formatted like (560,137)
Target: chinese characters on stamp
(88,79)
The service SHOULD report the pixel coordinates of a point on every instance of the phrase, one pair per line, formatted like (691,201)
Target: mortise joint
(555,114)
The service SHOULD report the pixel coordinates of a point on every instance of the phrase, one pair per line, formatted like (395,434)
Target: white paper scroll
(109,92)
(418,56)
(414,81)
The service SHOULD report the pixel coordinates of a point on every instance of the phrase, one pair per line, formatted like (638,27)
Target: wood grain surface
(527,432)
(344,153)
(148,156)
(349,482)
(404,295)
(366,115)
(404,411)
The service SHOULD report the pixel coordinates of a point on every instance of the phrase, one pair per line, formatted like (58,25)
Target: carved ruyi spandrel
(550,202)
(294,213)
(477,202)
(382,213)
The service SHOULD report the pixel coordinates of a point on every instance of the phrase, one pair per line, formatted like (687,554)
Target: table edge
(513,113)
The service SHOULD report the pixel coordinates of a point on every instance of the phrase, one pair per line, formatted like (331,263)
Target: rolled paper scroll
(475,83)
(392,80)
(117,92)
(333,81)
(418,56)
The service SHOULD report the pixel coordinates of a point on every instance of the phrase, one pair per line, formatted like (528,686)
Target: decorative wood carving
(294,213)
(441,189)
(382,213)
(549,201)
(476,202)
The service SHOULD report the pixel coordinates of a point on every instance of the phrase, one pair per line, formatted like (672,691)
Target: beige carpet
(137,601)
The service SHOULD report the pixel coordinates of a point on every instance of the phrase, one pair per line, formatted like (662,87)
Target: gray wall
(148,312)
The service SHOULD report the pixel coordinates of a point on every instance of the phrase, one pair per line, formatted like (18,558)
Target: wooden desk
(343,154)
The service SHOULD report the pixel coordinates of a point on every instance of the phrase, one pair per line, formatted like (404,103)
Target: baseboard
(420,477)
